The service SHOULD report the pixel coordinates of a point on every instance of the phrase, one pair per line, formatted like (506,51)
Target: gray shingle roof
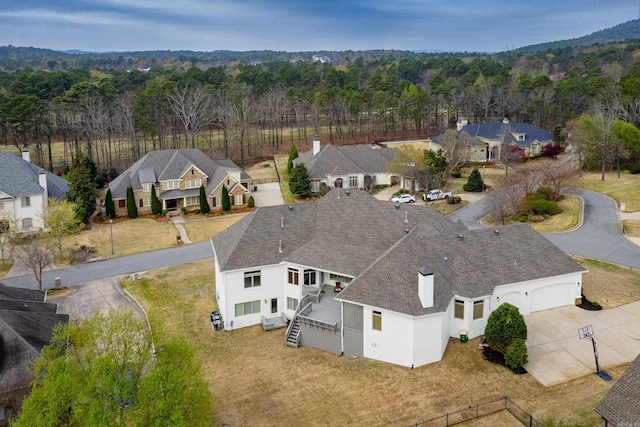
(346,159)
(167,165)
(176,194)
(495,129)
(620,406)
(20,178)
(365,238)
(8,292)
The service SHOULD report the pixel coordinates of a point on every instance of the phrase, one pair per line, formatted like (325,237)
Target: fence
(481,410)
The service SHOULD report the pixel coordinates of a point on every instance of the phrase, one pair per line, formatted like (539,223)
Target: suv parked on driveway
(436,194)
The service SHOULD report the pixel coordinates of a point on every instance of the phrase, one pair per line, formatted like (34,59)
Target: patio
(327,309)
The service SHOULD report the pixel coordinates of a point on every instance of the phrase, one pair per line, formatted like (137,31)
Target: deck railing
(303,302)
(319,324)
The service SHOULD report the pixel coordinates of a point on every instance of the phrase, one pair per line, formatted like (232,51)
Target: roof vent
(290,208)
(406,216)
(397,206)
(406,230)
(338,195)
(460,237)
(515,262)
(280,246)
(496,232)
(347,192)
(281,222)
(446,258)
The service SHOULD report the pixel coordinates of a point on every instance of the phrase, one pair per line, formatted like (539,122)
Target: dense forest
(116,108)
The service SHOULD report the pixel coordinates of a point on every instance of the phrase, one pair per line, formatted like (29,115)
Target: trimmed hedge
(541,207)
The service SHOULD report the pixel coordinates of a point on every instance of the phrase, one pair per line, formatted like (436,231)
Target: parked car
(436,194)
(404,198)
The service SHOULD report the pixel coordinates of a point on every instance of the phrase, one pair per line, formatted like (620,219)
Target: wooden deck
(328,309)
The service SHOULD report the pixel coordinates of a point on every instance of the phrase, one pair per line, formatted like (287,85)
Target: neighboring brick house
(491,137)
(25,189)
(406,278)
(621,405)
(177,176)
(26,325)
(348,166)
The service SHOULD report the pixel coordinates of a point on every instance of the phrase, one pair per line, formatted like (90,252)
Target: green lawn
(202,229)
(625,189)
(281,164)
(632,227)
(566,220)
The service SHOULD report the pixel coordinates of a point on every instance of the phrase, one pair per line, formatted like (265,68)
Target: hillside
(626,31)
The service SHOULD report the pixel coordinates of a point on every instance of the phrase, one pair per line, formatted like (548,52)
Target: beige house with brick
(177,176)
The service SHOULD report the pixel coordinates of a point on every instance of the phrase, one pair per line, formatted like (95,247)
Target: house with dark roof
(25,189)
(390,282)
(26,326)
(621,405)
(348,166)
(177,176)
(493,136)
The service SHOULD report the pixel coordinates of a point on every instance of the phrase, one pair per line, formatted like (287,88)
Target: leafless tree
(454,147)
(192,106)
(497,201)
(5,235)
(558,174)
(595,132)
(34,254)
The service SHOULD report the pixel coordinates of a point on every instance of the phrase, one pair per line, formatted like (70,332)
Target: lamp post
(111,230)
(483,178)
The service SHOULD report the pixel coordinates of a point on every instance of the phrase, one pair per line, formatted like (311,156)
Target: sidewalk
(178,221)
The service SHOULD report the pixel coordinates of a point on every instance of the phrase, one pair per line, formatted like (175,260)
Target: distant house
(25,189)
(177,176)
(26,326)
(348,166)
(363,277)
(621,405)
(493,136)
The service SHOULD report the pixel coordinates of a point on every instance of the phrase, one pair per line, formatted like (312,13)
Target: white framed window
(294,276)
(27,223)
(377,321)
(292,303)
(245,308)
(315,186)
(25,201)
(192,200)
(1,206)
(193,183)
(146,202)
(407,184)
(251,279)
(458,311)
(237,200)
(353,181)
(170,185)
(338,278)
(146,187)
(218,201)
(309,277)
(478,309)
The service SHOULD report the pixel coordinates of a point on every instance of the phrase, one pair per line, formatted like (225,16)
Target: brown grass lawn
(632,227)
(130,236)
(490,173)
(263,170)
(625,189)
(610,285)
(202,229)
(281,163)
(5,266)
(256,380)
(566,220)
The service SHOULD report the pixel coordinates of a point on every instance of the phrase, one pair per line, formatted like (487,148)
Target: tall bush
(156,204)
(299,182)
(132,209)
(474,182)
(504,326)
(204,204)
(109,206)
(293,154)
(517,354)
(226,200)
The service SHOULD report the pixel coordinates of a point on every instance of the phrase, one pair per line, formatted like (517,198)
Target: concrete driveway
(268,194)
(103,295)
(557,354)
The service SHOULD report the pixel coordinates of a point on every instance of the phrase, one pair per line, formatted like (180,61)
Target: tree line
(246,111)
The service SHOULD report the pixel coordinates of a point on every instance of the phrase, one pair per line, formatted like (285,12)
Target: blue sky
(303,25)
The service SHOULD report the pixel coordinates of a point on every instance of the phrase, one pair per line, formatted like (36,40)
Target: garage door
(550,297)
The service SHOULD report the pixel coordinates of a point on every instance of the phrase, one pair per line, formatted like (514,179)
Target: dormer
(193,177)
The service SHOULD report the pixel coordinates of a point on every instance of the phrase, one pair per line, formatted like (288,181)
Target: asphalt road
(599,236)
(116,266)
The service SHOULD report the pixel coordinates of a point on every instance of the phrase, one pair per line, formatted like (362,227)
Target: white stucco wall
(430,339)
(394,343)
(34,211)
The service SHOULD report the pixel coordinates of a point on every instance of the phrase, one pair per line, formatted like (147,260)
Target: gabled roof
(20,178)
(494,131)
(620,405)
(346,159)
(26,325)
(166,165)
(383,248)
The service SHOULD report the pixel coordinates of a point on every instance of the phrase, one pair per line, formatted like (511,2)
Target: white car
(404,198)
(436,195)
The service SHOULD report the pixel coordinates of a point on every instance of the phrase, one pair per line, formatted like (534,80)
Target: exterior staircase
(293,334)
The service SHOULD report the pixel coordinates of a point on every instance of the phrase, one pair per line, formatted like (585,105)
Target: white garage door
(550,297)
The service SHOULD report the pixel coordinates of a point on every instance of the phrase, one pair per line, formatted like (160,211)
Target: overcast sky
(303,25)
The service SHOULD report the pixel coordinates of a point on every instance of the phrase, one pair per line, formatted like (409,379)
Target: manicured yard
(566,220)
(610,285)
(202,229)
(256,380)
(632,227)
(281,163)
(625,189)
(263,172)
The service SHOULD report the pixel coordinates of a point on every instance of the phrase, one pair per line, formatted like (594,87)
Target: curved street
(599,237)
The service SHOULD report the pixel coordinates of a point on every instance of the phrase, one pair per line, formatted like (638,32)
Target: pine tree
(293,154)
(299,182)
(82,188)
(132,209)
(156,204)
(109,206)
(204,204)
(474,182)
(226,201)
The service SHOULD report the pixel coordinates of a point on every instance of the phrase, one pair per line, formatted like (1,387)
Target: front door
(274,305)
(171,204)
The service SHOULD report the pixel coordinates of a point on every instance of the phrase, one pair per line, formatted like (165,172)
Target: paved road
(116,266)
(599,236)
